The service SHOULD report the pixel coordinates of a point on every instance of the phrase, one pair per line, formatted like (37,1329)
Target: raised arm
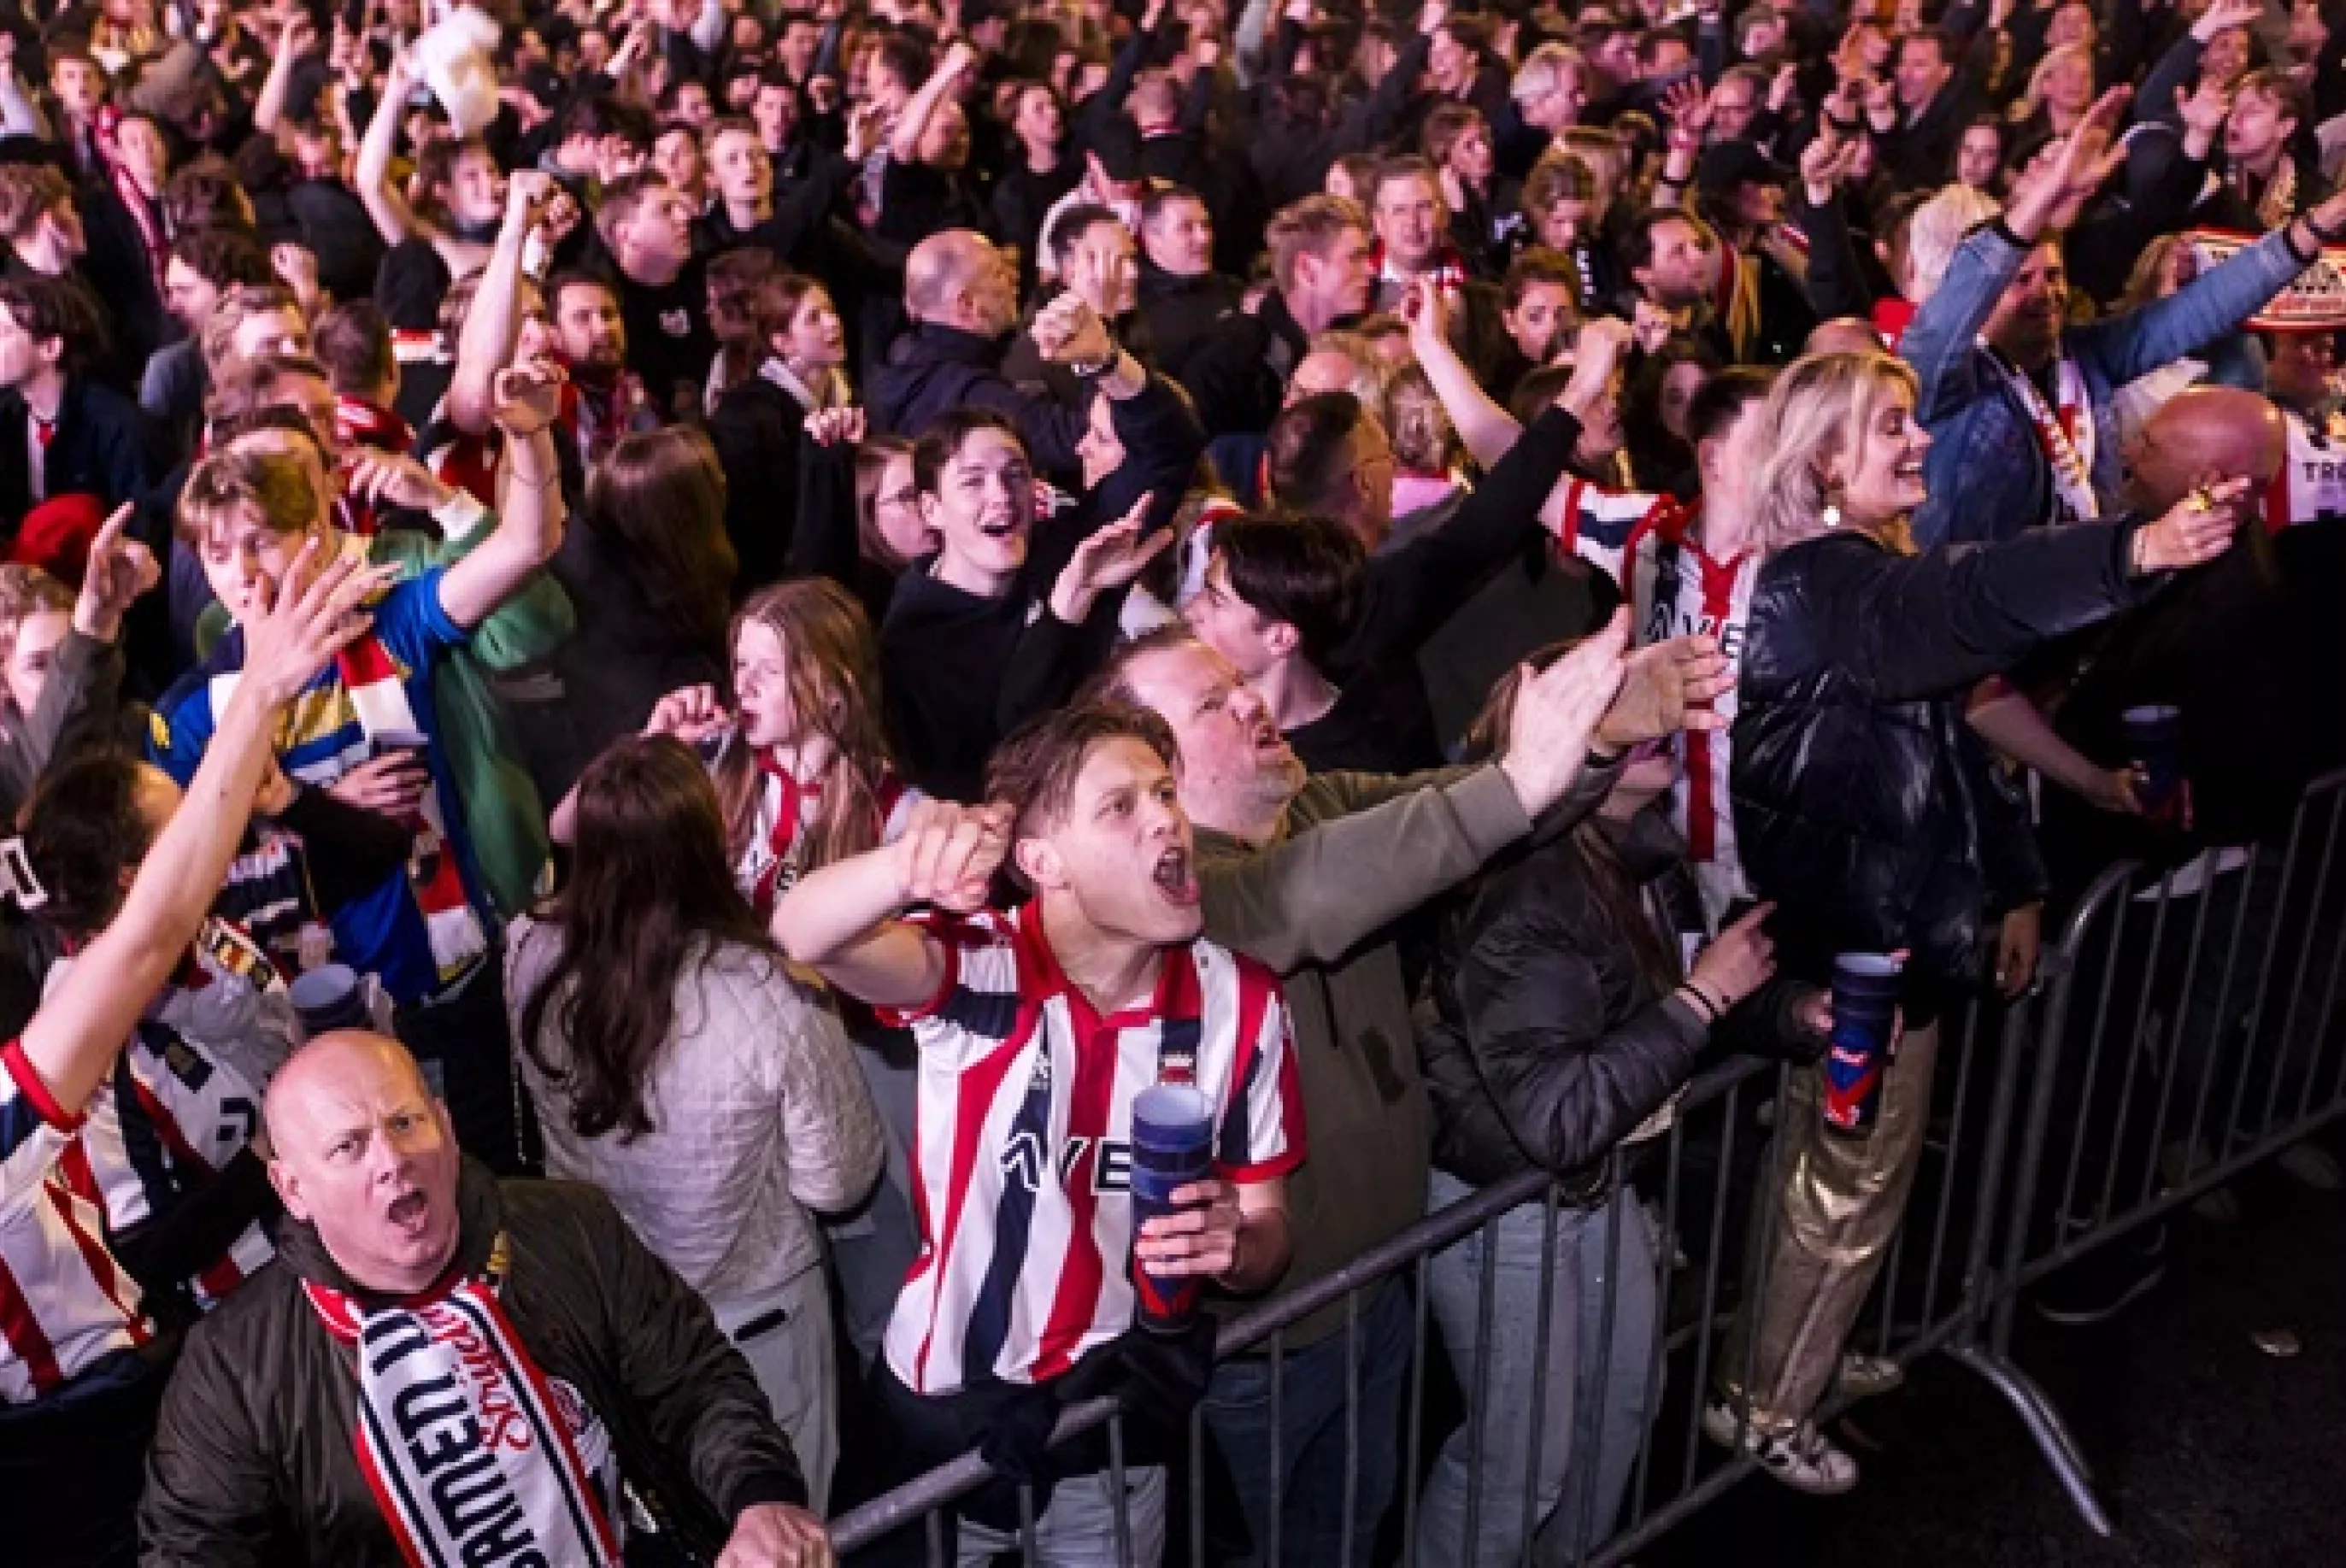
(493,323)
(298,36)
(394,220)
(843,920)
(904,136)
(1489,431)
(1909,629)
(530,510)
(71,1041)
(1311,898)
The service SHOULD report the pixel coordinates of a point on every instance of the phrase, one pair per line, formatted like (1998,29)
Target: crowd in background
(771,610)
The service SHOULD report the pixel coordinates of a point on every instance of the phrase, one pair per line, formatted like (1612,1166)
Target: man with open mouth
(1038,1029)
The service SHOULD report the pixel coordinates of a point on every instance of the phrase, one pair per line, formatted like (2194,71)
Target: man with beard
(2018,403)
(1306,874)
(1037,1030)
(443,1367)
(606,400)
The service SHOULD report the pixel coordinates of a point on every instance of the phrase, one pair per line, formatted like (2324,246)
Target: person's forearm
(528,532)
(1319,892)
(270,105)
(904,136)
(78,702)
(371,174)
(492,332)
(1264,1245)
(1489,431)
(71,1040)
(2015,727)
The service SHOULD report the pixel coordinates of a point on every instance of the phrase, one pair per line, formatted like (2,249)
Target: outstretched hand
(1108,560)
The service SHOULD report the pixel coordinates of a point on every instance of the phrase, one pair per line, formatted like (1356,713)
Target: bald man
(444,1367)
(960,293)
(1843,335)
(2202,433)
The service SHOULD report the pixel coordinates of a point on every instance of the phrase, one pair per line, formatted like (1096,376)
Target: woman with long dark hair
(678,1067)
(1870,814)
(651,573)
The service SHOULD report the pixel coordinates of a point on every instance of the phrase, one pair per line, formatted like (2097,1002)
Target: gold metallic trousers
(1833,1213)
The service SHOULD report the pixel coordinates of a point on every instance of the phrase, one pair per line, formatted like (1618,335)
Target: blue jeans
(1588,1402)
(1310,1438)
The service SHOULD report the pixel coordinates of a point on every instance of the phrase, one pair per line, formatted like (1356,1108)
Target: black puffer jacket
(1553,1043)
(1865,806)
(253,1458)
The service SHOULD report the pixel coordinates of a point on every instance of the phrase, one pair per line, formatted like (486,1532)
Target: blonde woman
(1869,815)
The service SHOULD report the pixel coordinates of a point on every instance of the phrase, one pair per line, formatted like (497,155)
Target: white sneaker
(1866,1377)
(1803,1458)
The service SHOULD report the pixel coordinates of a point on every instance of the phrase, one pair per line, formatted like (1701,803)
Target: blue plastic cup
(1864,1016)
(1172,1146)
(2155,740)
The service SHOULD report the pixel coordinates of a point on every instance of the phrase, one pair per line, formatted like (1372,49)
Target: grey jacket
(1988,477)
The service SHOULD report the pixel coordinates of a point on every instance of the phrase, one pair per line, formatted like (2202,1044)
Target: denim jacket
(1988,477)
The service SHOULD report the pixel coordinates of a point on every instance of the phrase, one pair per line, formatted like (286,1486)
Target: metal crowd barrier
(2180,1032)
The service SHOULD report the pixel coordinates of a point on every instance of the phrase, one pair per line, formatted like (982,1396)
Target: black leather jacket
(1553,1043)
(254,1461)
(1864,805)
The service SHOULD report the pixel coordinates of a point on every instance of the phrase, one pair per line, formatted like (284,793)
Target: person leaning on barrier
(442,1366)
(1870,815)
(1307,875)
(1037,1029)
(1567,1025)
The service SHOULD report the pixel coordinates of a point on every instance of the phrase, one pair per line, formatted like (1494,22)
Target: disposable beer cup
(1172,1146)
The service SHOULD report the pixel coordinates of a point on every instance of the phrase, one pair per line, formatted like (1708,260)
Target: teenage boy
(428,930)
(1036,1030)
(61,434)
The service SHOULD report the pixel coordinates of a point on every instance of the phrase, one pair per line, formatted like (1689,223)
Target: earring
(1833,506)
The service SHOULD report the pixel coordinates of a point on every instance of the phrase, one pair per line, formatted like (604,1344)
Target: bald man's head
(1843,335)
(958,279)
(2202,433)
(366,1153)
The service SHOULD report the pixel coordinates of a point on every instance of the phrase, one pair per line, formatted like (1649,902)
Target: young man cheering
(1036,1030)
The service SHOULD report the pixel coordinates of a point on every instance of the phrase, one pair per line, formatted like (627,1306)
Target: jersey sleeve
(975,1006)
(411,623)
(1261,1132)
(34,1128)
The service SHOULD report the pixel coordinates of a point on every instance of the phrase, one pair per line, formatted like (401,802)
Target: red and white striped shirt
(1677,589)
(1022,1141)
(65,1301)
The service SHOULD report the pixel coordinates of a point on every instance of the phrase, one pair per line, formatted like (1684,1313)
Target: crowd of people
(770,608)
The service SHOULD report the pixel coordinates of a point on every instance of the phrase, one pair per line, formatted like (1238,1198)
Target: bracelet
(2325,236)
(1096,369)
(1702,1001)
(1667,183)
(1846,128)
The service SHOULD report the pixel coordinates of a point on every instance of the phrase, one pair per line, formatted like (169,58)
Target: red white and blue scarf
(473,1454)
